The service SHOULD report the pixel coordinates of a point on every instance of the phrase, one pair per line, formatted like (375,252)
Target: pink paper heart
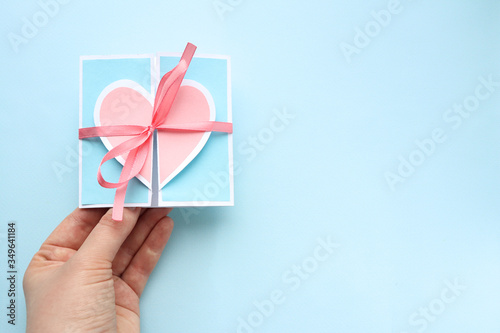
(125,102)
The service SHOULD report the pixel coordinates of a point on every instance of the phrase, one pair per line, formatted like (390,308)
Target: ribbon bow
(136,149)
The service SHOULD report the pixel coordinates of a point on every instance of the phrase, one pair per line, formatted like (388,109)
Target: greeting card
(155,131)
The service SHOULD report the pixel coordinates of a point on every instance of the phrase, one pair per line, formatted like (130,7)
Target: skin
(89,274)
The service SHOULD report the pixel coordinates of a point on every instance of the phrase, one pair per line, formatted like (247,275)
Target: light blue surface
(314,137)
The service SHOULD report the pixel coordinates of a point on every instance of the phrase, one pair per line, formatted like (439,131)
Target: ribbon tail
(119,203)
(121,191)
(133,165)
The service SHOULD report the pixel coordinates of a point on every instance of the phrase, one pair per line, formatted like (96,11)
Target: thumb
(108,235)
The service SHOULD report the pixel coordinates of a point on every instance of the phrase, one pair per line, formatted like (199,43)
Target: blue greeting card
(183,159)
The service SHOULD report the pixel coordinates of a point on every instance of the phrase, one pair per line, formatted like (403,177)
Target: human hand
(90,272)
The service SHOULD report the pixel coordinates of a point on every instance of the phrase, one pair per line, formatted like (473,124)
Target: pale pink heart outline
(150,99)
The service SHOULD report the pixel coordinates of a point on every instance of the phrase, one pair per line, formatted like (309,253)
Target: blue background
(318,173)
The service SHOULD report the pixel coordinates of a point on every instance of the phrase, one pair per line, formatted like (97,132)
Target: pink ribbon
(138,147)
